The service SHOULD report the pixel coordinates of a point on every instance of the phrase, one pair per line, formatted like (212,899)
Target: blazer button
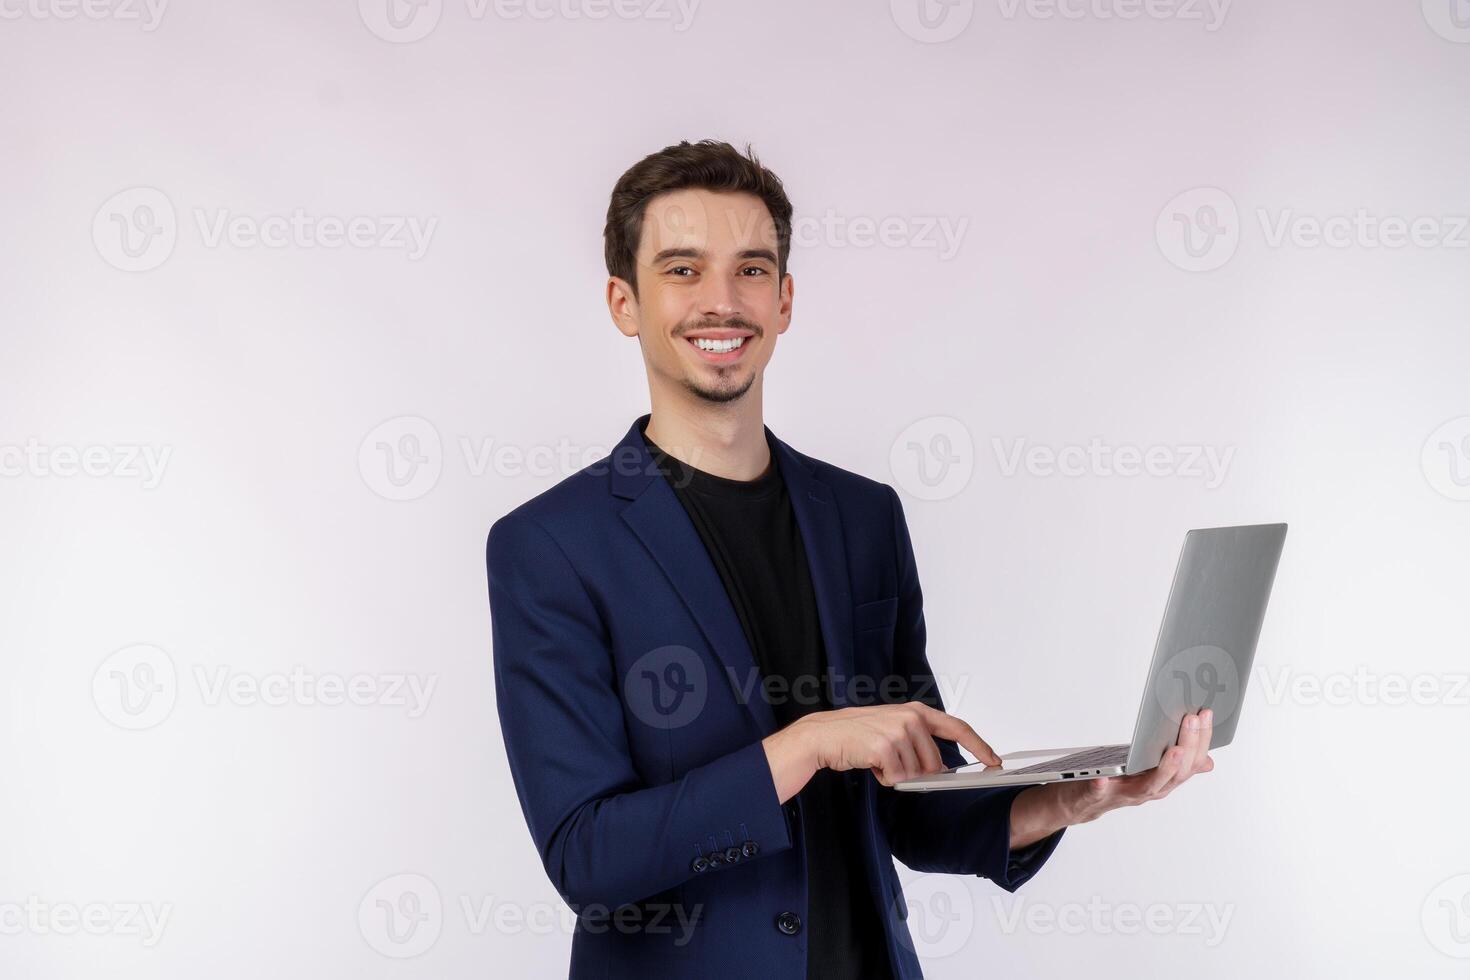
(750,849)
(732,854)
(789,923)
(716,858)
(700,864)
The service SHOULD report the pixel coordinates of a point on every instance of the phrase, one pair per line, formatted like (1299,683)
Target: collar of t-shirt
(682,475)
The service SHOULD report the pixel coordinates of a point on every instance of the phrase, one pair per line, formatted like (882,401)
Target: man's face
(711,301)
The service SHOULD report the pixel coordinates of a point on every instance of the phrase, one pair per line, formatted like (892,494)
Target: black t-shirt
(751,534)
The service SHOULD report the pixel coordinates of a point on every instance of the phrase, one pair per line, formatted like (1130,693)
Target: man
(709,648)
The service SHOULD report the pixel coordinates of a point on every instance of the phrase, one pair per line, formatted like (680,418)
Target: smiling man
(709,648)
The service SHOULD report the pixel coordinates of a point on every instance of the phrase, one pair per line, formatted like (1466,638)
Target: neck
(728,440)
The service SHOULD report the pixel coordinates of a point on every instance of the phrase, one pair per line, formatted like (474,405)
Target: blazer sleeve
(604,837)
(954,831)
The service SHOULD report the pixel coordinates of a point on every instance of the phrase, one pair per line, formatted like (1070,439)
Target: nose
(718,298)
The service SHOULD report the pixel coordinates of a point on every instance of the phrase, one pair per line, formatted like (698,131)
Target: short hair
(709,164)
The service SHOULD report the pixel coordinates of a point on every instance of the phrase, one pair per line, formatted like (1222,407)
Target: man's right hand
(896,741)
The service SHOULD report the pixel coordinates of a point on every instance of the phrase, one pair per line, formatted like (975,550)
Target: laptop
(1202,659)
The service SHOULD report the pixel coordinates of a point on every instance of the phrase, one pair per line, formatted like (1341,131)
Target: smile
(722,351)
(718,346)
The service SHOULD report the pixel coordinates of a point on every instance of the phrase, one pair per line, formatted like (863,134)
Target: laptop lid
(1208,638)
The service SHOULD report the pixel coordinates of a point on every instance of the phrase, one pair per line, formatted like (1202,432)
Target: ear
(622,305)
(788,293)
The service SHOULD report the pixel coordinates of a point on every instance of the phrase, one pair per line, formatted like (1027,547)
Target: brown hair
(709,164)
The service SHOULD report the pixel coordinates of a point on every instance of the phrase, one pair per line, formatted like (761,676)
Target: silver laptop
(1202,660)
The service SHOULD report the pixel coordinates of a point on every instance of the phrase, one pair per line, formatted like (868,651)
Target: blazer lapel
(660,522)
(826,554)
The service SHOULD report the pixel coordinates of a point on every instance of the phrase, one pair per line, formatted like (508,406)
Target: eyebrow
(697,253)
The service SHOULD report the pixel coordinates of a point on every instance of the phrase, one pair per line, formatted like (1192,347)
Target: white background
(1329,838)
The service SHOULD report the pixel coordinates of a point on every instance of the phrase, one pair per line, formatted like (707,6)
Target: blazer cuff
(739,794)
(1018,865)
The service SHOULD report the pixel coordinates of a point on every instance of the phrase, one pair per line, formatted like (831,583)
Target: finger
(1185,750)
(1132,787)
(926,750)
(908,758)
(1206,733)
(1188,734)
(1163,774)
(886,765)
(1194,748)
(952,728)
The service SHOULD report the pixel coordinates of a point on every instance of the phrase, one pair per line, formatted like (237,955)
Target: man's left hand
(1042,810)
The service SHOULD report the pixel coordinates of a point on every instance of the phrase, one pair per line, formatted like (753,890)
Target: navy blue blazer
(632,713)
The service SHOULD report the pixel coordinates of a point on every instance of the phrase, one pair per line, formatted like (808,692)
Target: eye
(753,268)
(680,270)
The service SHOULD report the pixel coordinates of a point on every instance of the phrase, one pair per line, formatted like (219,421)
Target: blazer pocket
(875,615)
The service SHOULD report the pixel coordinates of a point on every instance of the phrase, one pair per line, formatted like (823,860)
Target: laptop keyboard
(1104,755)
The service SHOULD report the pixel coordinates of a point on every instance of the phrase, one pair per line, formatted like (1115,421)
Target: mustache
(733,323)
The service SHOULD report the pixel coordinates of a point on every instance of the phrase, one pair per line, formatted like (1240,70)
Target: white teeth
(718,346)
